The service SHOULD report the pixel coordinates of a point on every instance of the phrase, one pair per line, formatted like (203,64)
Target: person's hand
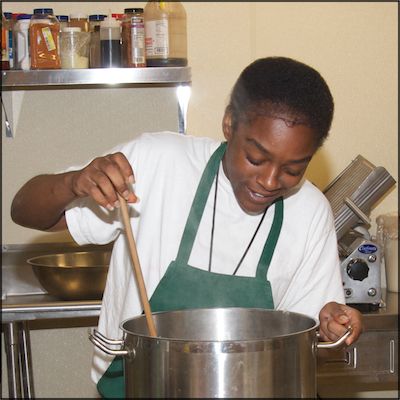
(103,179)
(336,318)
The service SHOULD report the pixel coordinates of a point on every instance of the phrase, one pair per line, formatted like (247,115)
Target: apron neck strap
(198,205)
(197,209)
(269,246)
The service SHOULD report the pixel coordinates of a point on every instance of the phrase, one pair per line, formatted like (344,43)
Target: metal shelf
(172,76)
(100,77)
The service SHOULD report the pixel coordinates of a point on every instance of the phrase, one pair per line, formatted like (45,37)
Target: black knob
(357,269)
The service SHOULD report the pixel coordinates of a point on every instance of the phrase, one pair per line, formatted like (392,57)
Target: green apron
(186,287)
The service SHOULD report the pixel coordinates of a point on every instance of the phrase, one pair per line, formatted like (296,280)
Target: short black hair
(281,86)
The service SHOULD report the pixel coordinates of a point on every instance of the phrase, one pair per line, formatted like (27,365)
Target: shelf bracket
(183,93)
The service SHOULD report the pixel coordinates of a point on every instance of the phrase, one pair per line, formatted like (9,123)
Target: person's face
(264,159)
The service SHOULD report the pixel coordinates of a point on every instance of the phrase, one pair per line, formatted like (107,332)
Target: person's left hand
(336,318)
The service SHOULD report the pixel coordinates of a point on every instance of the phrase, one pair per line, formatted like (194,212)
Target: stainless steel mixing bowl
(74,275)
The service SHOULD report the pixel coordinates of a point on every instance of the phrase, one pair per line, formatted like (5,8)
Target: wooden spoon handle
(136,266)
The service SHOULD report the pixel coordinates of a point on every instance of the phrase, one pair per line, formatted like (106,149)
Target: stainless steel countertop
(44,306)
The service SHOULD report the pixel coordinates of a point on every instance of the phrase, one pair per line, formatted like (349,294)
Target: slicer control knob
(357,269)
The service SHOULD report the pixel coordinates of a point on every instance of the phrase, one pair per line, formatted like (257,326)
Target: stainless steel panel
(96,76)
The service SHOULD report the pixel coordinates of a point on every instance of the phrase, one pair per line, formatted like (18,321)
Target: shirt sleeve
(315,277)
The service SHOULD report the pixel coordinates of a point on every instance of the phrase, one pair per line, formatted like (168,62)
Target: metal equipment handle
(101,342)
(337,343)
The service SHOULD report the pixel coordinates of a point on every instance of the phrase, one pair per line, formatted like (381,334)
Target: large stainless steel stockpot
(219,352)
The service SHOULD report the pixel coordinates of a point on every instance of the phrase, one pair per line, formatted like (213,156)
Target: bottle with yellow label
(165,34)
(44,40)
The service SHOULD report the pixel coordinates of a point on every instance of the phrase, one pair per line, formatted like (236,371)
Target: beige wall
(353,45)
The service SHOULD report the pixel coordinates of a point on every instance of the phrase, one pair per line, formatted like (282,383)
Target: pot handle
(101,342)
(337,343)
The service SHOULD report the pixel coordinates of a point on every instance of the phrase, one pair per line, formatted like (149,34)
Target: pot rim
(171,339)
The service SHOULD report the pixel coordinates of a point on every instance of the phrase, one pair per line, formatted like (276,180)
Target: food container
(219,352)
(73,276)
(74,46)
(43,39)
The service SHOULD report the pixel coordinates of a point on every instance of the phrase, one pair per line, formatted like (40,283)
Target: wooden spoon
(136,266)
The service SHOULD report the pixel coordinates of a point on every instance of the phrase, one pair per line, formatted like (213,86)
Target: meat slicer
(352,194)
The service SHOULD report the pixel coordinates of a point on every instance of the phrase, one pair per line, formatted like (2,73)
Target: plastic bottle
(94,20)
(110,43)
(21,42)
(74,48)
(5,60)
(9,26)
(79,20)
(94,29)
(133,45)
(166,35)
(44,39)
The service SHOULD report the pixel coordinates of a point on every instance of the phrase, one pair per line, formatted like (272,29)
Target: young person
(230,224)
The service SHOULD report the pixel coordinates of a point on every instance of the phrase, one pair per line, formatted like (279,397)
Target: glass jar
(94,51)
(166,35)
(74,48)
(79,20)
(132,33)
(44,41)
(110,43)
(21,42)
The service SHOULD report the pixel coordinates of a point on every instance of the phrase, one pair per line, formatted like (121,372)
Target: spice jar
(21,42)
(133,45)
(10,20)
(165,27)
(74,48)
(5,59)
(94,51)
(43,38)
(80,21)
(110,43)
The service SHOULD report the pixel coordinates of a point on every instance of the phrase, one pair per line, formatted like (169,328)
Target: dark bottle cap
(24,16)
(62,18)
(97,17)
(43,11)
(7,15)
(133,10)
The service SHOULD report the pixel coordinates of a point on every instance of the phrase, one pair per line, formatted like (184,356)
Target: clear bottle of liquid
(166,34)
(110,43)
(44,39)
(133,45)
(94,29)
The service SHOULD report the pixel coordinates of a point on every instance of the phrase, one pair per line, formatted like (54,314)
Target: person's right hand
(103,179)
